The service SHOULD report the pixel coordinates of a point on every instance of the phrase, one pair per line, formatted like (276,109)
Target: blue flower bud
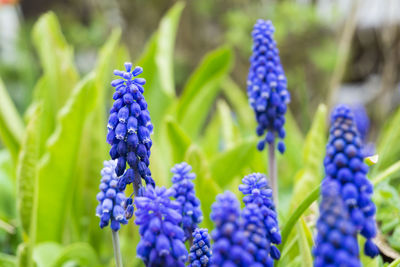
(200,252)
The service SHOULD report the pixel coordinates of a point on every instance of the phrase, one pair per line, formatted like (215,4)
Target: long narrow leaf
(11,125)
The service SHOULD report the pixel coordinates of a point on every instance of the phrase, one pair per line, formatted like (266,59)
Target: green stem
(273,174)
(117,249)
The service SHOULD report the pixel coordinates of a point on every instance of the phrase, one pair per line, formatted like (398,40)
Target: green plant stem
(273,174)
(117,249)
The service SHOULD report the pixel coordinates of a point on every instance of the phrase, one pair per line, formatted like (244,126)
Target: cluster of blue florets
(114,206)
(344,162)
(162,239)
(336,240)
(200,252)
(129,128)
(255,232)
(267,86)
(186,196)
(256,190)
(230,242)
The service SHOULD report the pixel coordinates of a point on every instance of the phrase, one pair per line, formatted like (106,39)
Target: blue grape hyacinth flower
(200,252)
(259,246)
(344,162)
(162,239)
(129,128)
(230,241)
(114,206)
(267,86)
(256,190)
(336,240)
(186,196)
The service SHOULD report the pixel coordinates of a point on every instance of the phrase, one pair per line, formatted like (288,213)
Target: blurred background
(332,51)
(347,51)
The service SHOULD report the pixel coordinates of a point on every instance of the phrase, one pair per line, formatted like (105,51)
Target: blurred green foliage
(51,162)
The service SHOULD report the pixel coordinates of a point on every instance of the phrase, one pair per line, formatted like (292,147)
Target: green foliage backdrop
(51,163)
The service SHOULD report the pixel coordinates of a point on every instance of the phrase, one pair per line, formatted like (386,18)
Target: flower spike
(200,252)
(114,207)
(267,86)
(129,129)
(336,240)
(344,163)
(186,196)
(162,240)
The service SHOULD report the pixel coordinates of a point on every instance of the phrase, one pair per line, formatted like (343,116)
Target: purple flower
(256,190)
(336,240)
(259,246)
(344,163)
(162,239)
(362,122)
(185,195)
(114,206)
(230,241)
(267,86)
(200,252)
(129,128)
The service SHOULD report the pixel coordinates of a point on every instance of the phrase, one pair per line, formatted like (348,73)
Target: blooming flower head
(129,128)
(258,245)
(114,206)
(256,190)
(267,86)
(185,195)
(200,252)
(162,239)
(230,242)
(344,164)
(336,240)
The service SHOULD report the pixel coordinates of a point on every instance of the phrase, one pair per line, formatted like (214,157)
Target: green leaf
(55,177)
(395,263)
(59,73)
(387,173)
(165,48)
(205,185)
(202,89)
(388,153)
(311,173)
(27,182)
(7,189)
(178,139)
(11,125)
(157,63)
(211,138)
(227,127)
(56,57)
(7,260)
(81,254)
(27,172)
(238,99)
(45,254)
(304,245)
(294,217)
(237,158)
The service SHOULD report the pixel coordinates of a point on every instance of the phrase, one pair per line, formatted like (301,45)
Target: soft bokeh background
(332,51)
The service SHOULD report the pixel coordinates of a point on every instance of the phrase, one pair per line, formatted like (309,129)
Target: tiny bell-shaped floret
(200,252)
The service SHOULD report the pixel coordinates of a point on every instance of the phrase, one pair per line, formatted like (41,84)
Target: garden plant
(118,168)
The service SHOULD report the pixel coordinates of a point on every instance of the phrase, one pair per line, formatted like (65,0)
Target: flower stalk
(273,174)
(117,249)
